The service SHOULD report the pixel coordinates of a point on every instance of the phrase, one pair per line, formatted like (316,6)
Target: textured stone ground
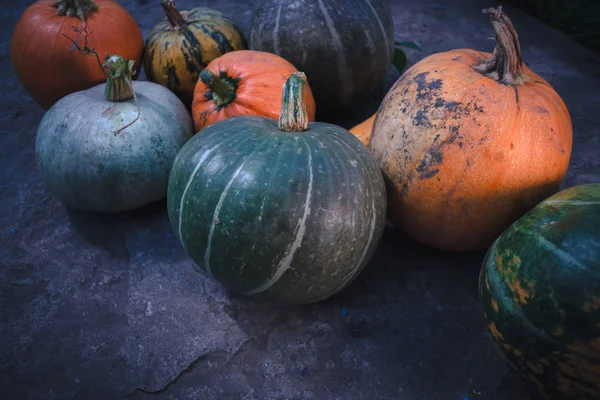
(110,307)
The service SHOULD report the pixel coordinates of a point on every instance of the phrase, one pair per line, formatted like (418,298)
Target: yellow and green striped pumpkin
(183,44)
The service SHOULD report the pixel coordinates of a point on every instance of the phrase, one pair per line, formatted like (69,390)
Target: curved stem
(119,85)
(293,117)
(506,63)
(222,88)
(174,17)
(74,8)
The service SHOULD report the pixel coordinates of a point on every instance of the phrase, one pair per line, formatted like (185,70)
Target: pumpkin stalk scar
(74,8)
(119,85)
(506,63)
(293,116)
(118,71)
(222,87)
(174,17)
(286,262)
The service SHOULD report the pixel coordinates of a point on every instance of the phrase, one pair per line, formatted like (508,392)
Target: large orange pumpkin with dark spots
(244,82)
(468,142)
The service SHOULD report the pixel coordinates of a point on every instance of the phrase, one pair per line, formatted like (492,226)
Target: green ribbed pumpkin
(286,211)
(344,47)
(540,291)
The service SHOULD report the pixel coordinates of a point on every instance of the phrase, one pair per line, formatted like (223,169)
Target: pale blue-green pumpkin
(95,153)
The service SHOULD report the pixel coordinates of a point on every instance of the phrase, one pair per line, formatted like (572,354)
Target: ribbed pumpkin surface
(287,216)
(344,47)
(175,56)
(540,291)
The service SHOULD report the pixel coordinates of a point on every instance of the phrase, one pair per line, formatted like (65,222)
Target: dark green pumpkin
(540,292)
(345,48)
(288,215)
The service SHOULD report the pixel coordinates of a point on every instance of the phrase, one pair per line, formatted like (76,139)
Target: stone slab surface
(97,307)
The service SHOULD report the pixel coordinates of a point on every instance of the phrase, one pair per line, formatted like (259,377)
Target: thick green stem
(222,88)
(174,17)
(293,117)
(74,8)
(119,86)
(506,63)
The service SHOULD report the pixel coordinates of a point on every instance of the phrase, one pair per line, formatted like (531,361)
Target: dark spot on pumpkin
(457,58)
(421,118)
(109,111)
(512,146)
(427,90)
(540,110)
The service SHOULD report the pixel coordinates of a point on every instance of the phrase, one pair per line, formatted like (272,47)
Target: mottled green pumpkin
(540,291)
(181,46)
(344,47)
(289,212)
(95,152)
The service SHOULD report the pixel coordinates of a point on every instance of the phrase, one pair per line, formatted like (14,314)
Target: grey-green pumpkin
(93,151)
(286,211)
(344,47)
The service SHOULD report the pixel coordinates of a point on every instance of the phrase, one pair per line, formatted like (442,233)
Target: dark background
(109,307)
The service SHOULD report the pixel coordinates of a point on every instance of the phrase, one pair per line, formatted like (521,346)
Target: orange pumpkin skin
(47,63)
(464,155)
(258,78)
(364,129)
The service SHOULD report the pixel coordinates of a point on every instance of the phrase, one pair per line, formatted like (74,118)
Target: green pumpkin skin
(344,47)
(540,293)
(85,165)
(288,217)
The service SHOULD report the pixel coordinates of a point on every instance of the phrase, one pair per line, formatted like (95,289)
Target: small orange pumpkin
(468,142)
(243,82)
(363,130)
(39,39)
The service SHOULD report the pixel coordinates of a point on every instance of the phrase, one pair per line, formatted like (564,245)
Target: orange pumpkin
(468,142)
(243,82)
(47,63)
(363,130)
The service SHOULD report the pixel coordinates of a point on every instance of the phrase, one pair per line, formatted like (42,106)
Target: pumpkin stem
(74,8)
(176,20)
(506,63)
(222,88)
(293,117)
(119,85)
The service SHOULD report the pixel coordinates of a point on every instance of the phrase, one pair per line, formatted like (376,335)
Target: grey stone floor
(110,307)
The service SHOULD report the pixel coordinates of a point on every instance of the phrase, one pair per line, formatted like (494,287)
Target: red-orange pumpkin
(47,63)
(469,141)
(243,82)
